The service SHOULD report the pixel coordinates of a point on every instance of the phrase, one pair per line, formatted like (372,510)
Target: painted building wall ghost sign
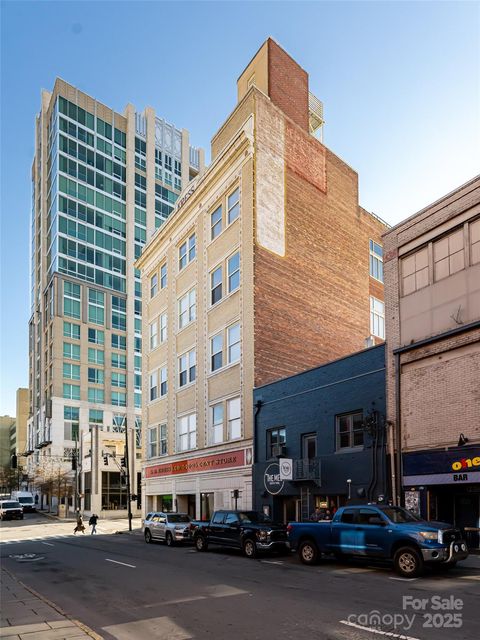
(271,479)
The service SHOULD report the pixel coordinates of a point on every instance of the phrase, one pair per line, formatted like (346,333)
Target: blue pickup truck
(382,532)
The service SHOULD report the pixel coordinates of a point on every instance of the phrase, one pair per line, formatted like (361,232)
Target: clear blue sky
(399,81)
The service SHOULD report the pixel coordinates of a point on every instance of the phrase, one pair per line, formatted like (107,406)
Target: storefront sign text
(225,460)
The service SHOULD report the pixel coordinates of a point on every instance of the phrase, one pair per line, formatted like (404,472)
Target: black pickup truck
(249,531)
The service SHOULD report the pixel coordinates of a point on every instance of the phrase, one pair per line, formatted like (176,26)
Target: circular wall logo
(271,479)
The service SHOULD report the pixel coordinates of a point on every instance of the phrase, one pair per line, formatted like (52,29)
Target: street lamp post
(127,478)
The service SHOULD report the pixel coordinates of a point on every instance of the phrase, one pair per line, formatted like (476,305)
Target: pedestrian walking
(80,526)
(93,523)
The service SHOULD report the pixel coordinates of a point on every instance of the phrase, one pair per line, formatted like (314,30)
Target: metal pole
(76,506)
(127,478)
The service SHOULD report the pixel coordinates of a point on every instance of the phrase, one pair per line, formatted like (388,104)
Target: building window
(119,313)
(153,285)
(96,356)
(376,261)
(154,335)
(216,222)
(96,336)
(234,419)
(233,272)
(448,255)
(187,370)
(163,327)
(71,299)
(233,343)
(233,206)
(276,439)
(71,391)
(415,271)
(216,352)
(186,252)
(216,285)
(309,446)
(187,309)
(119,342)
(163,381)
(350,430)
(153,386)
(95,375)
(187,432)
(96,309)
(71,416)
(475,242)
(96,395)
(152,442)
(71,330)
(119,361)
(71,371)
(119,380)
(71,351)
(163,440)
(119,399)
(377,318)
(95,419)
(216,427)
(163,276)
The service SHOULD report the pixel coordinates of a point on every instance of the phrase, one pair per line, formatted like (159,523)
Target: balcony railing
(307,469)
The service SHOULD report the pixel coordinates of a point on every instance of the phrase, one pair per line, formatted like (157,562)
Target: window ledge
(350,449)
(224,368)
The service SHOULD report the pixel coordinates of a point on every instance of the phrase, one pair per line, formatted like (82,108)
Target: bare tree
(54,479)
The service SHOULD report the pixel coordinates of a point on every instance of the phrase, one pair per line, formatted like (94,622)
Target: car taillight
(289,528)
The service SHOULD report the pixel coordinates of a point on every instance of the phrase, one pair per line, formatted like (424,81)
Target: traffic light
(74,462)
(123,462)
(13,462)
(105,460)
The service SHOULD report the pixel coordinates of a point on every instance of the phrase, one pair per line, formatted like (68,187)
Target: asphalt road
(125,589)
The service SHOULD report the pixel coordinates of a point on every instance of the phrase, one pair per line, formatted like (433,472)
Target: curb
(80,625)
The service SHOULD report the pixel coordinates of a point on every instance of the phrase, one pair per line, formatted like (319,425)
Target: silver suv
(10,509)
(169,527)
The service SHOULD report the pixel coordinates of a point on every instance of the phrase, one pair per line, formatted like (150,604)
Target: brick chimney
(277,74)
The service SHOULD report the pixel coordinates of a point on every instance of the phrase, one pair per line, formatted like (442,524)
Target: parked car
(384,532)
(10,510)
(249,531)
(26,500)
(168,527)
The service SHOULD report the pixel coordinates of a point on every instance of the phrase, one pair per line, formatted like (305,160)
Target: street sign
(286,468)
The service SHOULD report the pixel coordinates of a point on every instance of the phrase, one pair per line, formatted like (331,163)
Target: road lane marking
(124,563)
(271,561)
(48,544)
(390,634)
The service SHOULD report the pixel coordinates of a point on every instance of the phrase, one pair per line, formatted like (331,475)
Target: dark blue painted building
(326,428)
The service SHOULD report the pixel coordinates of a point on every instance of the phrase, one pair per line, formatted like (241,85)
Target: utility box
(62,510)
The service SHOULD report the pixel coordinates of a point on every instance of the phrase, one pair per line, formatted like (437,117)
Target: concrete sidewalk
(26,615)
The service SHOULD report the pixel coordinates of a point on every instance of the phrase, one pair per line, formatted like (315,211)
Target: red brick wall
(287,85)
(312,305)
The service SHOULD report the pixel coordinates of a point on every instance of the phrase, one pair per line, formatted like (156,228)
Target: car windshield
(253,516)
(178,517)
(25,500)
(11,505)
(397,514)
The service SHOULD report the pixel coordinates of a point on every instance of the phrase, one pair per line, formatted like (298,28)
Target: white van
(25,498)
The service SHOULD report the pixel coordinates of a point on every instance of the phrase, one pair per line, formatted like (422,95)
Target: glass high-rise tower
(102,183)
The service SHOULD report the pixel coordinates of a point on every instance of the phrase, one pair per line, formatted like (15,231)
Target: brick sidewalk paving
(26,615)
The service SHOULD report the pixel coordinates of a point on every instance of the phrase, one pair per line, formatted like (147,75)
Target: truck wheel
(201,543)
(308,552)
(148,536)
(250,548)
(169,539)
(408,562)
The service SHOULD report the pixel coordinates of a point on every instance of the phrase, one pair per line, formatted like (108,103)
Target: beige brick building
(432,300)
(262,271)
